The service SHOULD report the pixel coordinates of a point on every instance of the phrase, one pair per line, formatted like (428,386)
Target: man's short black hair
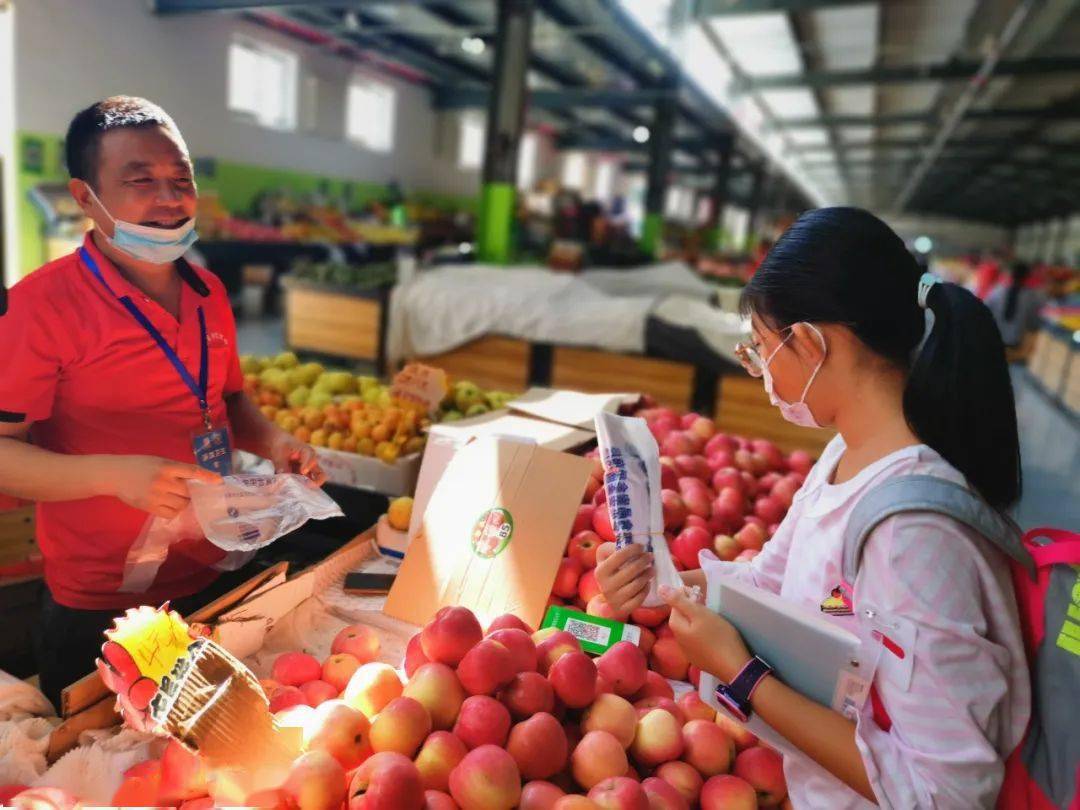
(82,145)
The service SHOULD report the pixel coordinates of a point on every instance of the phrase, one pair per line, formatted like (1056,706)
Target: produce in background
(357,276)
(387,741)
(355,414)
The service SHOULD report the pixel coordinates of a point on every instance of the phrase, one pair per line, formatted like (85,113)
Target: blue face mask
(153,245)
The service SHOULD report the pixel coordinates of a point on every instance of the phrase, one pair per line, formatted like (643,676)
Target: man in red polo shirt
(119,374)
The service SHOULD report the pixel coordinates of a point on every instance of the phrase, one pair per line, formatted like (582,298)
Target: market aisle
(1050,450)
(260,336)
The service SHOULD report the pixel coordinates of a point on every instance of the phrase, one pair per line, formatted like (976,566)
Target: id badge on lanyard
(210,444)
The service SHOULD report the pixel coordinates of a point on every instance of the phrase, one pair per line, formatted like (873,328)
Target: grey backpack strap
(928,493)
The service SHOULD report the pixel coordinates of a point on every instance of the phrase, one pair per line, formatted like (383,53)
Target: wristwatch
(735,697)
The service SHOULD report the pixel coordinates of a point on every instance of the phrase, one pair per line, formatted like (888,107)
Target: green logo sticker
(492,533)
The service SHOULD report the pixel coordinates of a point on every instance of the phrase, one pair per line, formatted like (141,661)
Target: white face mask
(798,413)
(153,245)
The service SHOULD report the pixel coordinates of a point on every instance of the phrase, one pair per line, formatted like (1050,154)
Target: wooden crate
(744,409)
(1054,363)
(594,371)
(490,362)
(17,541)
(334,322)
(1071,393)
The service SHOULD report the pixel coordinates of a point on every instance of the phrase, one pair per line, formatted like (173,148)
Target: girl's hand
(624,575)
(709,640)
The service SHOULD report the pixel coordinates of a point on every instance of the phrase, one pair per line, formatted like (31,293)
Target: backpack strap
(928,493)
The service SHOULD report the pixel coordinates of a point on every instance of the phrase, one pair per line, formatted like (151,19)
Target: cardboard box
(571,408)
(365,472)
(492,533)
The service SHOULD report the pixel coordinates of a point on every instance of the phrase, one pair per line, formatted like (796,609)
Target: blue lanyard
(199,388)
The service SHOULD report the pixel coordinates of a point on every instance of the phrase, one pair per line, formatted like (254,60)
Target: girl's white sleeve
(765,571)
(955,687)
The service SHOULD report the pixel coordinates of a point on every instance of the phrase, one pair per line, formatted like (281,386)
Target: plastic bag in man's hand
(246,512)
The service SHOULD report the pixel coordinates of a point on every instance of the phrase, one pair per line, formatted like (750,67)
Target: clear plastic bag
(631,462)
(240,515)
(247,512)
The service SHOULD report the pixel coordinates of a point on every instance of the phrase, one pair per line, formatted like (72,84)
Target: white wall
(951,237)
(73,52)
(7,145)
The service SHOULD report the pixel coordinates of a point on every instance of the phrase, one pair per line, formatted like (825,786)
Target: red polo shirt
(80,368)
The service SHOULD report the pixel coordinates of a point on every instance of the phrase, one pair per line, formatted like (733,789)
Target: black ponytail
(845,266)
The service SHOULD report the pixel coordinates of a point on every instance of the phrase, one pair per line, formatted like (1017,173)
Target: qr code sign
(585,631)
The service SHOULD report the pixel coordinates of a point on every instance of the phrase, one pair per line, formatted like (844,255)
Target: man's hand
(290,455)
(155,485)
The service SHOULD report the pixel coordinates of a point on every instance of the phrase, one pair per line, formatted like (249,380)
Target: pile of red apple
(720,493)
(508,719)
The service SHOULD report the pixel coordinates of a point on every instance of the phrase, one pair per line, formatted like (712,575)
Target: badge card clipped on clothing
(213,450)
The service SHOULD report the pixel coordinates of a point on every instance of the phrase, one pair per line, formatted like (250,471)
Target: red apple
(401,726)
(487,779)
(316,781)
(624,667)
(740,734)
(693,467)
(770,452)
(553,647)
(452,633)
(684,778)
(688,544)
(566,578)
(295,669)
(602,523)
(341,731)
(728,477)
(439,755)
(769,509)
(697,520)
(521,647)
(573,677)
(669,660)
(698,502)
(486,667)
(800,461)
(588,587)
(650,616)
(414,656)
(669,476)
(785,490)
(694,708)
(359,641)
(285,697)
(751,537)
(658,739)
(583,518)
(619,793)
(482,721)
(646,705)
(656,685)
(318,692)
(538,746)
(583,548)
(721,442)
(707,747)
(592,486)
(508,621)
(527,694)
(338,669)
(674,509)
(597,757)
(726,547)
(540,795)
(387,781)
(437,800)
(750,484)
(599,498)
(679,443)
(763,768)
(728,793)
(663,796)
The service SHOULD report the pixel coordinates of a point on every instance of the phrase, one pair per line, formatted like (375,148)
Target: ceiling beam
(732,8)
(1070,112)
(952,70)
(170,7)
(459,98)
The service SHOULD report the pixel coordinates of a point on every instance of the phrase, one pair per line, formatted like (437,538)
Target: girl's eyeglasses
(750,359)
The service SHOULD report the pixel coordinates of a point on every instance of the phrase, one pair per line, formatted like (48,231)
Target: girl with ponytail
(911,373)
